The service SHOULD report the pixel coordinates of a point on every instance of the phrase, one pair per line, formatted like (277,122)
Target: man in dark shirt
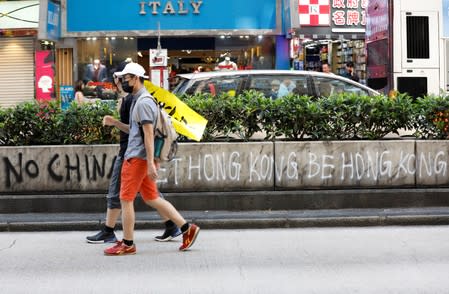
(349,73)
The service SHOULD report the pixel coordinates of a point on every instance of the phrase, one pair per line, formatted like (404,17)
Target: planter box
(252,166)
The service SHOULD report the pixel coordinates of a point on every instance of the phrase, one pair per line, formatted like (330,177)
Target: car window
(230,85)
(329,86)
(180,85)
(278,86)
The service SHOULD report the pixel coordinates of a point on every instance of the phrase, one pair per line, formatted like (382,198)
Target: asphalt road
(312,260)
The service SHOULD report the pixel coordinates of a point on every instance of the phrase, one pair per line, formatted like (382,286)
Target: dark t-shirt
(124,118)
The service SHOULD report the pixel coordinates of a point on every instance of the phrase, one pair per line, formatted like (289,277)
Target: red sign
(314,12)
(45,74)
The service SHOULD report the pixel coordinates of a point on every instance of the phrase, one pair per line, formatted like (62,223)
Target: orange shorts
(134,179)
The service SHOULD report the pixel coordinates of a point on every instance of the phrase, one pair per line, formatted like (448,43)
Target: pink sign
(45,74)
(336,13)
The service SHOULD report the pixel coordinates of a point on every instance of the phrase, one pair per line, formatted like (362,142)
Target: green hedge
(32,123)
(342,117)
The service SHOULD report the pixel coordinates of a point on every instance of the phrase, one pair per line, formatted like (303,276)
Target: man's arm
(149,148)
(111,121)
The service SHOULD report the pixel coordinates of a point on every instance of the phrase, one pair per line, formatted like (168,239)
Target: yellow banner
(185,120)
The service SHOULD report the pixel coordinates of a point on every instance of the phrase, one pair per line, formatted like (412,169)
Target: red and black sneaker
(189,237)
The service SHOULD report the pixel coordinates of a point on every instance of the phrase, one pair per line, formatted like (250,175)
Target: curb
(260,222)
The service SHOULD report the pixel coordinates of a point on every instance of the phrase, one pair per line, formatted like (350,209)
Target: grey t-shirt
(142,112)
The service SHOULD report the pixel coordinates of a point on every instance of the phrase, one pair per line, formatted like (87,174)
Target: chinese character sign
(349,13)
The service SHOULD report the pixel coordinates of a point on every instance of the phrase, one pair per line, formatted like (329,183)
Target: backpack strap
(156,115)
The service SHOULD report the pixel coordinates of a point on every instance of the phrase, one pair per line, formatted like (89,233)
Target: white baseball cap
(132,68)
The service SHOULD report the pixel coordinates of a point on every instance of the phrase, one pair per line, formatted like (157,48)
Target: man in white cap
(139,171)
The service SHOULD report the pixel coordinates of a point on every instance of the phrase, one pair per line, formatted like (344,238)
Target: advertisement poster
(67,96)
(158,57)
(159,77)
(45,73)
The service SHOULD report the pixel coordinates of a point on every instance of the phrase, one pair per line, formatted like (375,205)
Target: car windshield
(230,85)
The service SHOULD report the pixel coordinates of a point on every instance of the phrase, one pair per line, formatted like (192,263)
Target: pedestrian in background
(349,73)
(286,87)
(79,95)
(325,68)
(140,170)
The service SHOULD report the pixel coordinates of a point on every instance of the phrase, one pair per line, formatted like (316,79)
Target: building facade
(196,34)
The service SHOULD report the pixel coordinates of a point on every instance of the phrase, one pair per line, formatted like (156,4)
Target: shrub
(431,119)
(341,117)
(34,123)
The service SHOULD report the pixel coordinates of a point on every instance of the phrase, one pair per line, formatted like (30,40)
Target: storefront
(199,33)
(18,42)
(328,31)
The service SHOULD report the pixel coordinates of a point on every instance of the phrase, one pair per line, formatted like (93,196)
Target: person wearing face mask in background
(140,170)
(106,234)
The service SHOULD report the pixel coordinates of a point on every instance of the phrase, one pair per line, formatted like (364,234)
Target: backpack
(165,144)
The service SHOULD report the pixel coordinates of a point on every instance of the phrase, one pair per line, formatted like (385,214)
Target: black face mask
(126,87)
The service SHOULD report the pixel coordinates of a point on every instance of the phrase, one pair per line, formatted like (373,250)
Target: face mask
(126,87)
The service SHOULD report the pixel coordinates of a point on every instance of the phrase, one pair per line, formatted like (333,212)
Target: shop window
(108,53)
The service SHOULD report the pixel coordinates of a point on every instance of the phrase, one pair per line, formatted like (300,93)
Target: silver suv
(273,83)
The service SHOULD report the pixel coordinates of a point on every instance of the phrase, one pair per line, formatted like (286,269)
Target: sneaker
(169,234)
(102,237)
(120,249)
(189,237)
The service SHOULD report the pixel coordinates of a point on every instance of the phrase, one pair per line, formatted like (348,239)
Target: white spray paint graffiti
(239,168)
(343,167)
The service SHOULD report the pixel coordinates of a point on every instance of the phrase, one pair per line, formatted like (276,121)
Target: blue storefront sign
(84,16)
(53,21)
(445,18)
(67,96)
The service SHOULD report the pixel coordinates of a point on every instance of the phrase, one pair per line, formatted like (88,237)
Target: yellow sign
(185,120)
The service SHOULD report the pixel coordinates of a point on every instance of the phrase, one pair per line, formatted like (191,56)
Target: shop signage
(140,17)
(378,21)
(349,12)
(45,75)
(67,96)
(314,13)
(19,14)
(335,13)
(180,7)
(158,57)
(53,17)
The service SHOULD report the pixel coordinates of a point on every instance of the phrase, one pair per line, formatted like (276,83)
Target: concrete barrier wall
(255,166)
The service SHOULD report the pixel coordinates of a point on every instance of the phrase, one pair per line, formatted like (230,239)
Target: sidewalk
(236,219)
